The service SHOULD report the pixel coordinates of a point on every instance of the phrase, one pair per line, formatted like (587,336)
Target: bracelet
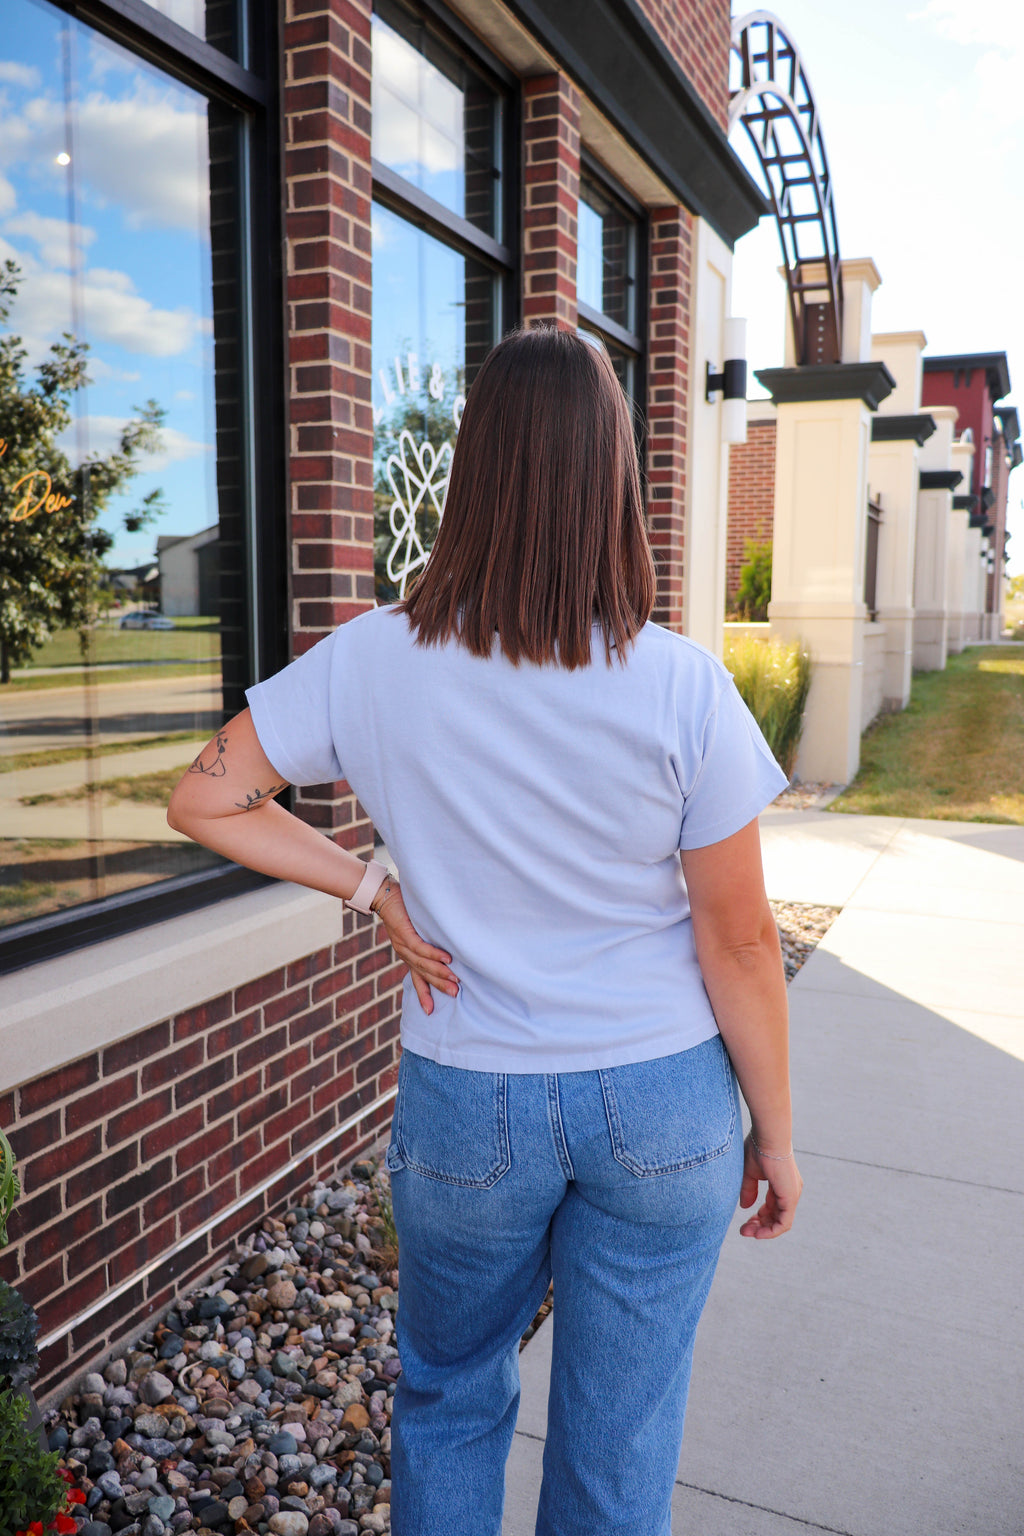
(387,888)
(772,1157)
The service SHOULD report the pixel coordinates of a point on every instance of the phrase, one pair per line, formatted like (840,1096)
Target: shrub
(31,1488)
(773,678)
(754,592)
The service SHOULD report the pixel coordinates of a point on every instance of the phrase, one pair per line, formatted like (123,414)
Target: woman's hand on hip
(775,1215)
(428,965)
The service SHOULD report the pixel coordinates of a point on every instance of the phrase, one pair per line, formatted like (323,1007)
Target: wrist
(388,887)
(775,1149)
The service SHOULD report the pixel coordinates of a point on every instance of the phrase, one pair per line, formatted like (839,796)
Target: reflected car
(146,621)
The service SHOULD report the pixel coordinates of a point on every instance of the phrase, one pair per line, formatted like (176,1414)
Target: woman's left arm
(225,800)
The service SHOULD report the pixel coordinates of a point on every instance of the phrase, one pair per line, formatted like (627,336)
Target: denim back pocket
(450,1124)
(671,1113)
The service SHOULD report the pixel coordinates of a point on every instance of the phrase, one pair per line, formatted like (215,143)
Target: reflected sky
(113,244)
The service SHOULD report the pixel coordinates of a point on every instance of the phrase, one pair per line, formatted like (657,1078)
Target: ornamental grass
(773,678)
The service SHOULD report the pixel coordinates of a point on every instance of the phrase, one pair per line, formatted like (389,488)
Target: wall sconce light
(731,383)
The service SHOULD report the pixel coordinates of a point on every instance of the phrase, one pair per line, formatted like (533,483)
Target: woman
(571,795)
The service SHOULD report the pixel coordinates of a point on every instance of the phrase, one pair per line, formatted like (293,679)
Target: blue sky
(142,249)
(922,112)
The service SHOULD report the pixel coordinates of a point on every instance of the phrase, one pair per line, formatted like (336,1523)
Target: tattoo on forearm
(258,797)
(213,767)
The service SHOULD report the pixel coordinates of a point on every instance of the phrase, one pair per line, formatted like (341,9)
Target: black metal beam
(902,429)
(870,382)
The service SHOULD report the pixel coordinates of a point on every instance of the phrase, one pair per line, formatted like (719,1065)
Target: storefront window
(440,273)
(434,317)
(606,264)
(607,270)
(436,123)
(124,635)
(218,22)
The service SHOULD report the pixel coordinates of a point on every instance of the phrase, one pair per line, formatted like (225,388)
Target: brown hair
(543,530)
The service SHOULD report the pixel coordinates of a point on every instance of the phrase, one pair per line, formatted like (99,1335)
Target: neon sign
(32,501)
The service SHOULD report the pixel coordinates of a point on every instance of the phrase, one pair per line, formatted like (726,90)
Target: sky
(921,105)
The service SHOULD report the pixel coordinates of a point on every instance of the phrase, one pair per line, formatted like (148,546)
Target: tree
(51,550)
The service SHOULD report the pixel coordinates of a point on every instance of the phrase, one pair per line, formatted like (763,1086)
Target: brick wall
(751,496)
(125,1152)
(668,371)
(697,33)
(551,188)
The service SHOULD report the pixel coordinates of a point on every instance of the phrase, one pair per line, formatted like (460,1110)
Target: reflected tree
(413,444)
(51,549)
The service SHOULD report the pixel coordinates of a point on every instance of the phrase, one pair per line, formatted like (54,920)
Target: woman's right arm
(741,963)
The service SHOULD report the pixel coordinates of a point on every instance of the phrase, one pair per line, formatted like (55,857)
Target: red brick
(58,1085)
(165,1069)
(32,1136)
(103,1242)
(203,1082)
(128,1053)
(134,1190)
(195,1152)
(171,1131)
(258,991)
(197,1020)
(61,1158)
(238,1091)
(170,1197)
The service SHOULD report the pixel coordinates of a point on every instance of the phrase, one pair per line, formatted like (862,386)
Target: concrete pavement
(864,1375)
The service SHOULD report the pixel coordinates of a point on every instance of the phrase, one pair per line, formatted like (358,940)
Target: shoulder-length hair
(543,531)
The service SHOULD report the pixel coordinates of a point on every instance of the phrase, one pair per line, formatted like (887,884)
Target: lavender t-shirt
(536,816)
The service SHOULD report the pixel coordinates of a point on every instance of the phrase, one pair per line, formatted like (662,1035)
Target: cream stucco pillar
(898,432)
(707,466)
(821,464)
(957,610)
(931,562)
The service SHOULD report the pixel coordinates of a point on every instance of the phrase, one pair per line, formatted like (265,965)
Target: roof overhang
(615,55)
(997,369)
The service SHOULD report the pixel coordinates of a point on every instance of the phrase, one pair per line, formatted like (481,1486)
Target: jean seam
(557,1126)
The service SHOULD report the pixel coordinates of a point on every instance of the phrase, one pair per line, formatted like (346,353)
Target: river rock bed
(262,1401)
(800,928)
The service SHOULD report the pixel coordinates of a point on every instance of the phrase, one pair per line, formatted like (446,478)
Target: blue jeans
(619,1184)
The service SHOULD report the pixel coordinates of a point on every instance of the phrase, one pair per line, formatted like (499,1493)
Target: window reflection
(434,321)
(122,622)
(435,123)
(607,256)
(216,21)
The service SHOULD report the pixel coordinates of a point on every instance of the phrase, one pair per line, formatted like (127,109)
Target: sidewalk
(864,1375)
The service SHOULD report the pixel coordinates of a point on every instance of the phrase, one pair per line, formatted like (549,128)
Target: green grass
(956,753)
(143,788)
(29,684)
(189,640)
(18,761)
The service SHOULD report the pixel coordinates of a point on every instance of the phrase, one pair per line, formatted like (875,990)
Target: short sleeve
(737,778)
(292,716)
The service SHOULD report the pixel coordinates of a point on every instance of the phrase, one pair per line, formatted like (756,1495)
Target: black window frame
(615,336)
(252,89)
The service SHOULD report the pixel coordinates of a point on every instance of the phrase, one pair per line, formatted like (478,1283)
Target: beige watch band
(368,887)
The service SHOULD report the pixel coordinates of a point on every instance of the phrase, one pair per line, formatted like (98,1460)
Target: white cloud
(53,237)
(184,394)
(102,435)
(109,308)
(8,197)
(144,153)
(12,73)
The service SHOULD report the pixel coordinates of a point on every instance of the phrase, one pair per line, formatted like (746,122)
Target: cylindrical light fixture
(731,382)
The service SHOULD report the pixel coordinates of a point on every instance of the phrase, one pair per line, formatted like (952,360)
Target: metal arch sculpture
(774,102)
